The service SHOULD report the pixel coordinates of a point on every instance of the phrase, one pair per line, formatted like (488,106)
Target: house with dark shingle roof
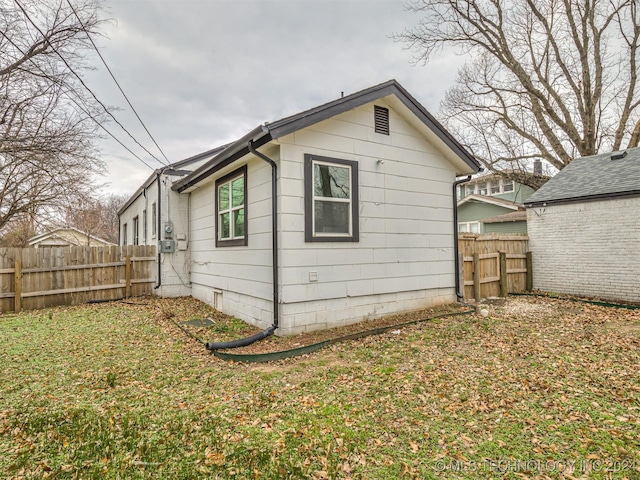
(584,228)
(324,218)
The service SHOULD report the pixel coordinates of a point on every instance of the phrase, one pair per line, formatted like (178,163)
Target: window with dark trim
(231,209)
(330,199)
(124,235)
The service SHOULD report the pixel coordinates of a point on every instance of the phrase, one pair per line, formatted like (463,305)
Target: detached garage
(584,228)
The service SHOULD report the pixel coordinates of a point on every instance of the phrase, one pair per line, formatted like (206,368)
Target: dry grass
(538,389)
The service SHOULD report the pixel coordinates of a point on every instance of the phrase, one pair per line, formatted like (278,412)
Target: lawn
(538,387)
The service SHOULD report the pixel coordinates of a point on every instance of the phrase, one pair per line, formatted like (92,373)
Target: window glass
(225,229)
(482,188)
(331,181)
(495,187)
(238,222)
(223,197)
(237,192)
(507,185)
(331,217)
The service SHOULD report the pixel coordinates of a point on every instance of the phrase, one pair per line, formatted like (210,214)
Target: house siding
(175,280)
(587,249)
(404,257)
(235,279)
(505,227)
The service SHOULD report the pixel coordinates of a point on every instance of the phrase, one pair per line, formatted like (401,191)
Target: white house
(67,237)
(156,215)
(584,228)
(325,218)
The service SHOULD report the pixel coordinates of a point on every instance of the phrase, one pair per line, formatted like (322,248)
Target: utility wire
(78,104)
(84,84)
(116,81)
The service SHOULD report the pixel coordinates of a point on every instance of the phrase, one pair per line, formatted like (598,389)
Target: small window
(381,120)
(144,227)
(136,229)
(231,200)
(482,188)
(507,185)
(154,220)
(470,189)
(331,200)
(469,227)
(124,235)
(495,187)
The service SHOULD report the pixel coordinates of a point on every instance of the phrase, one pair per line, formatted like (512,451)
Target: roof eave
(238,149)
(587,198)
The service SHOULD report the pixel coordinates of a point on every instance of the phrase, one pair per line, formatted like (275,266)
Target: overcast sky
(203,73)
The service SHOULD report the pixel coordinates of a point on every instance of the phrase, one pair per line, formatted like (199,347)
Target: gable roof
(518,216)
(178,168)
(75,234)
(273,130)
(592,178)
(500,202)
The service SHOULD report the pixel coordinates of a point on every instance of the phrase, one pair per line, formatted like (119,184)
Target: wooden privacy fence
(495,265)
(32,278)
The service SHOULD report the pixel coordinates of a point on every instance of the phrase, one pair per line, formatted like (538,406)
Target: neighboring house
(492,204)
(482,214)
(584,228)
(324,218)
(67,237)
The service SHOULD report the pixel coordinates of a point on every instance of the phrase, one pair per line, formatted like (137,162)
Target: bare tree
(546,80)
(48,120)
(96,216)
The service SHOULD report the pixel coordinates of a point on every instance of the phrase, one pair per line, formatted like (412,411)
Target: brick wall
(588,249)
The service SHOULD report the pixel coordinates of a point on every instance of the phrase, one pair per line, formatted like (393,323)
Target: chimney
(537,167)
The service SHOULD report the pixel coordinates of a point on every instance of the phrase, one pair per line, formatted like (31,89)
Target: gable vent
(619,155)
(381,119)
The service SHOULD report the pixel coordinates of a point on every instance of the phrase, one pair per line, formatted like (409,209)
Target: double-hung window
(331,199)
(231,211)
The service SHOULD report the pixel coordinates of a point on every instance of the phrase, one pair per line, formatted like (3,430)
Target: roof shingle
(587,178)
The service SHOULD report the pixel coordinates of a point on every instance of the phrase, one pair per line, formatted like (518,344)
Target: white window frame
(465,227)
(506,182)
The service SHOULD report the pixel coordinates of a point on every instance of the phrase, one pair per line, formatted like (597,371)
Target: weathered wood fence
(494,265)
(33,278)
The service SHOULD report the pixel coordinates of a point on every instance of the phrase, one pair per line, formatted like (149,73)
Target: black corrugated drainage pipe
(459,284)
(274,248)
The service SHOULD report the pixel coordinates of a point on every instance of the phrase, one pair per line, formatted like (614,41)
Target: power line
(116,81)
(78,104)
(85,85)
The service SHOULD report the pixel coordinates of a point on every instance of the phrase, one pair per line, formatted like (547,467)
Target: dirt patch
(225,328)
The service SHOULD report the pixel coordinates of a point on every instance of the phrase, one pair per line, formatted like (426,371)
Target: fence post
(504,288)
(17,305)
(476,276)
(529,272)
(127,276)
